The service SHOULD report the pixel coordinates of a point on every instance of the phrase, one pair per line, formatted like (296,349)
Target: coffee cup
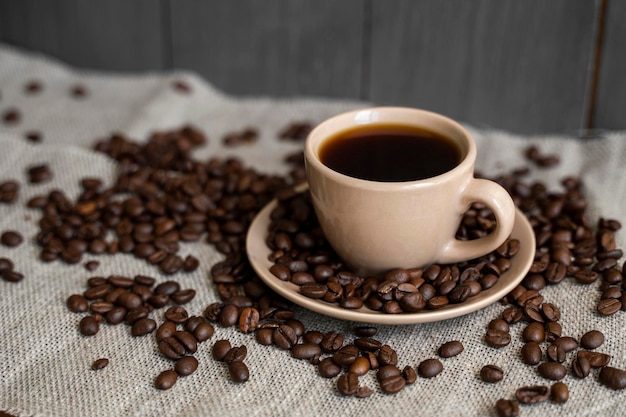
(390,185)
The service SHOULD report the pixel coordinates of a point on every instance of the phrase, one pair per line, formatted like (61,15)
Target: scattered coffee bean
(9,191)
(429,368)
(552,370)
(38,174)
(531,353)
(581,367)
(559,393)
(186,366)
(348,384)
(99,364)
(532,394)
(613,378)
(11,238)
(491,373)
(450,349)
(238,371)
(497,338)
(507,408)
(89,326)
(166,379)
(220,349)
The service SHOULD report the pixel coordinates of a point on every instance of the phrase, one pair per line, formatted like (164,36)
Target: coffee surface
(390,153)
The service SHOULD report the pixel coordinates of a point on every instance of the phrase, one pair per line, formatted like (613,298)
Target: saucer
(258,253)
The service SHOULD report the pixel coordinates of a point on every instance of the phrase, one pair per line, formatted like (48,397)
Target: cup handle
(500,202)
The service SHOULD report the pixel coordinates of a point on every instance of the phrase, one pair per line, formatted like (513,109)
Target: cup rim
(311,157)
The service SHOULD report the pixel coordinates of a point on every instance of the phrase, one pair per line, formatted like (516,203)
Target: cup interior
(357,124)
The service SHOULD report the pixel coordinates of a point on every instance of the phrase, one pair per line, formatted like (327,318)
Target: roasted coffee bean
(186,365)
(499,324)
(183,296)
(38,174)
(429,368)
(592,339)
(178,345)
(581,367)
(11,238)
(387,355)
(613,378)
(237,353)
(346,355)
(532,394)
(497,338)
(491,373)
(568,343)
(392,384)
(238,371)
(229,315)
(249,319)
(166,379)
(609,306)
(77,303)
(409,374)
(203,332)
(450,349)
(364,392)
(100,307)
(507,408)
(553,331)
(265,336)
(348,384)
(367,344)
(166,329)
(327,368)
(555,353)
(100,364)
(360,366)
(9,191)
(284,337)
(89,326)
(332,342)
(596,359)
(313,336)
(220,349)
(552,370)
(559,393)
(512,315)
(550,312)
(177,314)
(167,287)
(531,353)
(306,351)
(143,327)
(534,332)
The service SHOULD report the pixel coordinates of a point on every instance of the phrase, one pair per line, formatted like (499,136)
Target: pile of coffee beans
(301,255)
(162,197)
(119,299)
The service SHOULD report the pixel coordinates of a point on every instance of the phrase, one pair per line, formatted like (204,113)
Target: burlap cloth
(45,362)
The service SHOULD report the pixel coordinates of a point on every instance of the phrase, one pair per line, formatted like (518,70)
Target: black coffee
(390,153)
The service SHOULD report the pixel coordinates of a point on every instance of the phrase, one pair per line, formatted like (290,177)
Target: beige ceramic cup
(376,226)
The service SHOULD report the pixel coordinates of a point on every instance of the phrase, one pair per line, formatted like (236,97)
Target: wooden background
(527,66)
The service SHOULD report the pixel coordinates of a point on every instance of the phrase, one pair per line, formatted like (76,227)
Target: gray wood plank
(517,65)
(277,47)
(610,110)
(109,35)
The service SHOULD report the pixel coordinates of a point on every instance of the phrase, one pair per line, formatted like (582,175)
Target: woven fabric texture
(45,362)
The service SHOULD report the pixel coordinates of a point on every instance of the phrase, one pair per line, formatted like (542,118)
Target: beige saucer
(258,255)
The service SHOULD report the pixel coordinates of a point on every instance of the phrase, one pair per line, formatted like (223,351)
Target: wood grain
(110,35)
(275,47)
(611,100)
(521,66)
